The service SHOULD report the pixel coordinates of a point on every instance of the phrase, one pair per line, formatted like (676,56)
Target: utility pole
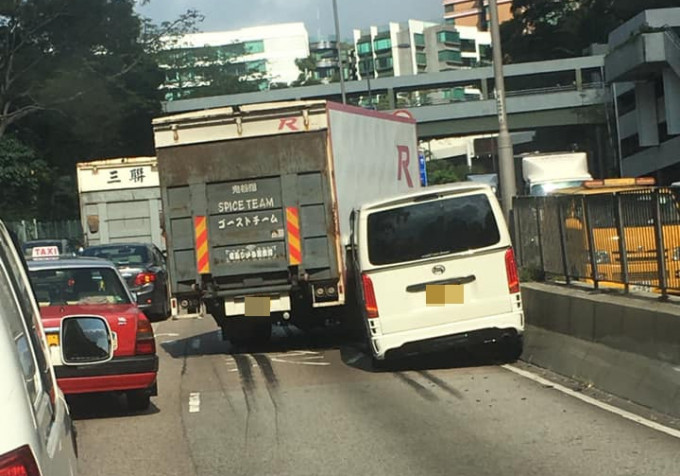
(506,161)
(337,45)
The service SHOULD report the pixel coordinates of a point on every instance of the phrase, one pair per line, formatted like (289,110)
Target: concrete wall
(626,346)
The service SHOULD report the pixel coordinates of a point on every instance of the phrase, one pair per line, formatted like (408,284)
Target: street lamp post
(337,44)
(506,163)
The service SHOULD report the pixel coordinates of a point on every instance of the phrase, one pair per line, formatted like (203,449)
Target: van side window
(26,311)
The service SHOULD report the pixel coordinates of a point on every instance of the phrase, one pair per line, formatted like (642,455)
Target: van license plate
(442,294)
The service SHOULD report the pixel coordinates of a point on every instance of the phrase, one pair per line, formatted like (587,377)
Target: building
(474,13)
(418,47)
(260,55)
(643,71)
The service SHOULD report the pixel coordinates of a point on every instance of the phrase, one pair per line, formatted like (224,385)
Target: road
(309,404)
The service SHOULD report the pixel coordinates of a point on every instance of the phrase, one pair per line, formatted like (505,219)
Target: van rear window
(432,228)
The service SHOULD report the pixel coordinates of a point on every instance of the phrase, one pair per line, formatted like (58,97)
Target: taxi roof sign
(45,252)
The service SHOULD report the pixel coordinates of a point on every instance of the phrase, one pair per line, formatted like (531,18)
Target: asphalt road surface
(311,404)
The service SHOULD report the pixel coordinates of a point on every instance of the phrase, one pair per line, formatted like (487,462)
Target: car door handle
(417,288)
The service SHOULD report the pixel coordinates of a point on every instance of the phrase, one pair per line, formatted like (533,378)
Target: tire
(138,400)
(510,349)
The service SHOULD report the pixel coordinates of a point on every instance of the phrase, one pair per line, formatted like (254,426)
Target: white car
(38,437)
(436,268)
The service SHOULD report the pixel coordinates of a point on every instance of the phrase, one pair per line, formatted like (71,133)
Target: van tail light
(146,343)
(19,462)
(144,278)
(511,270)
(369,297)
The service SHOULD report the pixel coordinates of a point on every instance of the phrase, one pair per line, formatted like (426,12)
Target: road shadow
(90,406)
(285,338)
(479,355)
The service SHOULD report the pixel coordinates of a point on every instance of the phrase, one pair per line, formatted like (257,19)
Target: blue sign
(423,169)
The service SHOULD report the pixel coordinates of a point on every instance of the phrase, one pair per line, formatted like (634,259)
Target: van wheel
(138,400)
(510,349)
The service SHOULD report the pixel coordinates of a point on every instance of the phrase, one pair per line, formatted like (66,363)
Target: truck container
(120,201)
(544,173)
(258,199)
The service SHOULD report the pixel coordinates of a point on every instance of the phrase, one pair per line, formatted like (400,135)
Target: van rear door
(455,238)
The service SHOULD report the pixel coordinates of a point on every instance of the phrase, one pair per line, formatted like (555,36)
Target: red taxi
(92,286)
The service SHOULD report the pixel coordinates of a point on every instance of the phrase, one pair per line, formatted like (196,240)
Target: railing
(628,240)
(27,230)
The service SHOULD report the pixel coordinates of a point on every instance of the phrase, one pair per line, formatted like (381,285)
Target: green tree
(552,29)
(22,172)
(307,66)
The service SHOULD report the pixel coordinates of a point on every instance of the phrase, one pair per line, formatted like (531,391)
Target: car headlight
(602,257)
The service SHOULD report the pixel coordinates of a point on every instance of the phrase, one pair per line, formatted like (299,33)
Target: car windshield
(120,255)
(430,229)
(74,286)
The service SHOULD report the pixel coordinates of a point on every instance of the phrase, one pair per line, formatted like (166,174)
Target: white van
(38,437)
(436,268)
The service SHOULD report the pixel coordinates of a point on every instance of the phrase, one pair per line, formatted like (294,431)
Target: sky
(316,14)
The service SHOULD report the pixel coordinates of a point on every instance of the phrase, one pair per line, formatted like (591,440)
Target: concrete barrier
(627,346)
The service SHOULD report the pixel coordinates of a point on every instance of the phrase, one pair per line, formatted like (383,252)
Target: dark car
(142,265)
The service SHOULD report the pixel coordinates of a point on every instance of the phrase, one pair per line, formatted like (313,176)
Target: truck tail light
(19,462)
(369,297)
(144,278)
(146,343)
(511,270)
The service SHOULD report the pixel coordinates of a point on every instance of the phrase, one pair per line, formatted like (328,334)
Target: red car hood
(122,319)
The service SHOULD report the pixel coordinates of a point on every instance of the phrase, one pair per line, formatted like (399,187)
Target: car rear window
(77,286)
(432,228)
(120,255)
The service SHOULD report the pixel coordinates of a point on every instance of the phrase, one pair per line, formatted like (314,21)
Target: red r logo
(404,158)
(289,122)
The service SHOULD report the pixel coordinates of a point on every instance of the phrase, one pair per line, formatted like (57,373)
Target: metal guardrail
(27,230)
(627,240)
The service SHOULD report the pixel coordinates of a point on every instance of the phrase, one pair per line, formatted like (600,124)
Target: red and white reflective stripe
(202,258)
(293,228)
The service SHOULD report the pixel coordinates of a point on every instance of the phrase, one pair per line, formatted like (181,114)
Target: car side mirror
(86,340)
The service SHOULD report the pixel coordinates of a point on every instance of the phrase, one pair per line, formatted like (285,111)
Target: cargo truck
(257,202)
(543,173)
(120,202)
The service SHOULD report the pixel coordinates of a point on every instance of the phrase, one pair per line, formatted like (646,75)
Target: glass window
(73,286)
(448,37)
(450,56)
(421,59)
(469,46)
(23,316)
(120,254)
(252,47)
(383,44)
(419,39)
(432,228)
(364,48)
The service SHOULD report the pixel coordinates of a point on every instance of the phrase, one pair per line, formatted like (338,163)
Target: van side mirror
(85,340)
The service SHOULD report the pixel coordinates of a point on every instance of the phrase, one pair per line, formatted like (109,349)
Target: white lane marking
(195,344)
(194,402)
(274,359)
(592,401)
